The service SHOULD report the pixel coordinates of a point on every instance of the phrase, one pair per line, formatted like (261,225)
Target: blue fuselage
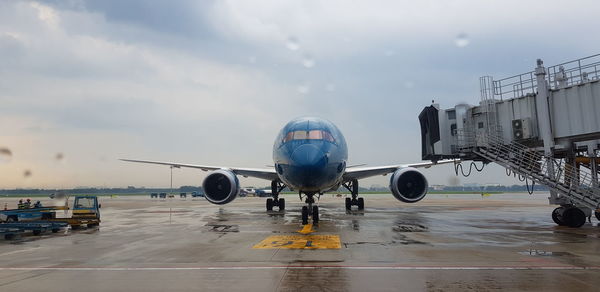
(310,155)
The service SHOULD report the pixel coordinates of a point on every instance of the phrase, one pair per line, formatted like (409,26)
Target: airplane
(310,156)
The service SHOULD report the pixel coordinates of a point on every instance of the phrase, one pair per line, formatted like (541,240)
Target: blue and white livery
(310,156)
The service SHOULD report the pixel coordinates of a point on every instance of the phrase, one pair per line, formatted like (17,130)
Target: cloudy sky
(83,83)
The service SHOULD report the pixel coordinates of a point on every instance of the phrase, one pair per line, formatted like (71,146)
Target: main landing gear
(352,186)
(309,209)
(276,201)
(569,216)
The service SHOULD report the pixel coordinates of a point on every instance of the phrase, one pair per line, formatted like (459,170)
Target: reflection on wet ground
(440,244)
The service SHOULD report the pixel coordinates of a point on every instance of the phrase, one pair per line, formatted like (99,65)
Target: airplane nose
(309,156)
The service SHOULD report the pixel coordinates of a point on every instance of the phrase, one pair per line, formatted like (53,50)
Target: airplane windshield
(309,135)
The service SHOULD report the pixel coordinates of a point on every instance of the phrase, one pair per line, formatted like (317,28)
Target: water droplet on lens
(27,173)
(453,181)
(330,87)
(308,62)
(461,40)
(59,156)
(292,44)
(303,89)
(5,155)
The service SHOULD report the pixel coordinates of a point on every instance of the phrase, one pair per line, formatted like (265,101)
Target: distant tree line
(513,188)
(189,189)
(127,190)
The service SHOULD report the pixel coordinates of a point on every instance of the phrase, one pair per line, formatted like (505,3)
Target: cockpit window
(309,135)
(300,135)
(288,137)
(328,137)
(315,135)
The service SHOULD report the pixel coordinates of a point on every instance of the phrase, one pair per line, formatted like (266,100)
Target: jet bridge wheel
(569,216)
(555,216)
(574,217)
(304,215)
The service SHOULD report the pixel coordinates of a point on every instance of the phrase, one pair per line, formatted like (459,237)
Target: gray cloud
(213,81)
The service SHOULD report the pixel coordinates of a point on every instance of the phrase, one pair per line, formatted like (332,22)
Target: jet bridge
(542,126)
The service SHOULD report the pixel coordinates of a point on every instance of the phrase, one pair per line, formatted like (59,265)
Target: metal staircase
(576,185)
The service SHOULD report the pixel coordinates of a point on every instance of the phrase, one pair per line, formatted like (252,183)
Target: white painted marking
(17,251)
(295,267)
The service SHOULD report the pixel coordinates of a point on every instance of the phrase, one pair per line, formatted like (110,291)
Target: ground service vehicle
(85,211)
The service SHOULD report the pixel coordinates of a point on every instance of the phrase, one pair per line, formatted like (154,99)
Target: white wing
(264,173)
(364,172)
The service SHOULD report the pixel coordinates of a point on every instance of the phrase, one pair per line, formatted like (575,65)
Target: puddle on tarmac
(223,228)
(405,240)
(539,252)
(409,227)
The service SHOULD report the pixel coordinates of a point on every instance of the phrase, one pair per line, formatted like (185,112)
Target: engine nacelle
(221,187)
(408,185)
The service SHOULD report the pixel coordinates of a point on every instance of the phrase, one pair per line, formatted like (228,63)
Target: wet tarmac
(444,243)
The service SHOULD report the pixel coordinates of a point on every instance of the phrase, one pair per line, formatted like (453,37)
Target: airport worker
(20,205)
(27,204)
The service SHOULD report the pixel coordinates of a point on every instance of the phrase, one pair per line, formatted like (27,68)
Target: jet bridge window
(309,135)
(451,115)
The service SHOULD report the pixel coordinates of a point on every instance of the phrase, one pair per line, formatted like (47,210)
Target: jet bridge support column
(594,167)
(544,123)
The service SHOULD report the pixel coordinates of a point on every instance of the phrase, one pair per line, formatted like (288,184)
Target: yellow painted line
(306,229)
(300,242)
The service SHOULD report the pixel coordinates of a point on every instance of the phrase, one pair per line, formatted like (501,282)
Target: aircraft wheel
(281,204)
(574,217)
(348,204)
(269,204)
(597,213)
(304,215)
(555,216)
(315,214)
(361,204)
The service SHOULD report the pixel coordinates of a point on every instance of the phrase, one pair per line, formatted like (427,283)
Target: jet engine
(408,185)
(221,186)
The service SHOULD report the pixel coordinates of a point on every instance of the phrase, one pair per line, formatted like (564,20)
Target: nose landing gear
(310,210)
